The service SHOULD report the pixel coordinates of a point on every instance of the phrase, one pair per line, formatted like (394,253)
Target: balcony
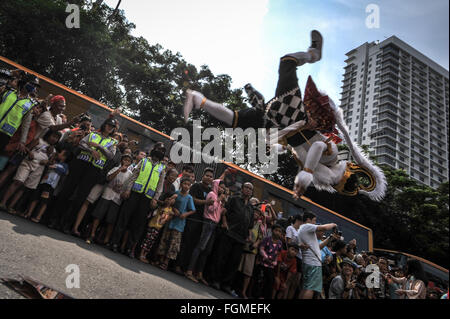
(389,70)
(389,76)
(389,84)
(387,63)
(389,92)
(390,53)
(389,99)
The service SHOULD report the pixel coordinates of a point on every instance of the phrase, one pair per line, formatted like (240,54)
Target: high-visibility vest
(12,112)
(148,178)
(105,142)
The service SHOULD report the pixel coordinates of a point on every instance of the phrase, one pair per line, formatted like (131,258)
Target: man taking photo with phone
(312,261)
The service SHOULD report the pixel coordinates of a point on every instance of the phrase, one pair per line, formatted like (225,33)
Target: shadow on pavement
(26,227)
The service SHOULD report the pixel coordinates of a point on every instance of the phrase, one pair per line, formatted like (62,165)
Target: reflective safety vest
(12,112)
(148,178)
(105,142)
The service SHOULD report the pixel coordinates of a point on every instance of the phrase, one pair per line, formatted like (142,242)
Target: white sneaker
(316,46)
(191,102)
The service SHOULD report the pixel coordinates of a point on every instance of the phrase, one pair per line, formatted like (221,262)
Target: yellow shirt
(161,217)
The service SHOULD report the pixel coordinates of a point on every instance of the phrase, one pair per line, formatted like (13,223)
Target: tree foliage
(103,60)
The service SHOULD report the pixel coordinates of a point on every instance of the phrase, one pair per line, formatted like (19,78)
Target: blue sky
(246,38)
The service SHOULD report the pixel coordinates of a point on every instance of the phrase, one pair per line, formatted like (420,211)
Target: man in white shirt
(51,118)
(312,262)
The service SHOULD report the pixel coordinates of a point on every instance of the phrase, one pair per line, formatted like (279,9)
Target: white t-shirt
(292,233)
(45,120)
(177,183)
(307,235)
(116,186)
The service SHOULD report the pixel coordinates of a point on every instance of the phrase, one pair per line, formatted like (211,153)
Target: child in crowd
(171,238)
(170,178)
(110,202)
(188,172)
(212,215)
(57,168)
(161,216)
(31,169)
(285,271)
(269,249)
(257,234)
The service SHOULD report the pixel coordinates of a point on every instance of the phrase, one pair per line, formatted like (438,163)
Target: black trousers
(191,237)
(136,204)
(138,220)
(287,76)
(269,278)
(287,81)
(4,140)
(226,259)
(82,177)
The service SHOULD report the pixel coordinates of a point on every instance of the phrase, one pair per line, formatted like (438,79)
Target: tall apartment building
(396,100)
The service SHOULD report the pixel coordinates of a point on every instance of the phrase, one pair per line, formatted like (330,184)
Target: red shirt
(286,265)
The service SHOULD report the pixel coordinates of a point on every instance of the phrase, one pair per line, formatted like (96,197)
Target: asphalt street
(35,251)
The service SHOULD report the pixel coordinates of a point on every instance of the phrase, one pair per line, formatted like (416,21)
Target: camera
(5,77)
(337,231)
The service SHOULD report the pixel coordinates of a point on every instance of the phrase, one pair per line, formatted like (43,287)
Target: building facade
(396,101)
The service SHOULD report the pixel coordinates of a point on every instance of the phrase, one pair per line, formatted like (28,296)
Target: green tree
(103,60)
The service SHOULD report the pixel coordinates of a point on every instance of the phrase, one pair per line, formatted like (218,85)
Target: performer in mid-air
(305,126)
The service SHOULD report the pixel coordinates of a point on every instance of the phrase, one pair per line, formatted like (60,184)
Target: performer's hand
(298,191)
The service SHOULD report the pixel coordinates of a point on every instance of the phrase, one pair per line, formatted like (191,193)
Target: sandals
(35,220)
(89,240)
(144,260)
(76,233)
(178,271)
(203,281)
(163,266)
(191,277)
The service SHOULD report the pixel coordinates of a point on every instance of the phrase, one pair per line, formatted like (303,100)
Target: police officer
(143,189)
(96,149)
(15,107)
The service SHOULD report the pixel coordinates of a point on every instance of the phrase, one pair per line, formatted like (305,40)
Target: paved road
(38,252)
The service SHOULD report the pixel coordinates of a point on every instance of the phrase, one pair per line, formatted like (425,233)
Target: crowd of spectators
(87,182)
